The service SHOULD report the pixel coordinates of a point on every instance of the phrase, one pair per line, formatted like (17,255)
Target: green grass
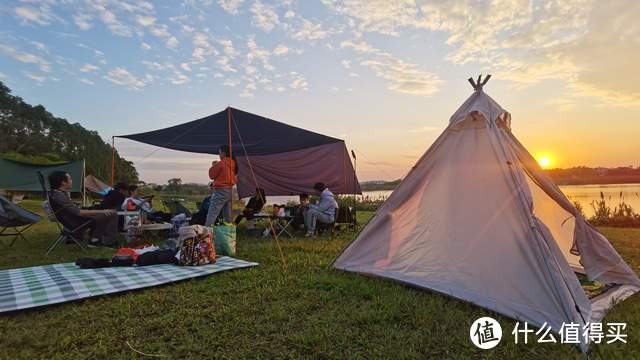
(299,310)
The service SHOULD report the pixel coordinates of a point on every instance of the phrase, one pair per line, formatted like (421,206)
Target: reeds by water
(620,215)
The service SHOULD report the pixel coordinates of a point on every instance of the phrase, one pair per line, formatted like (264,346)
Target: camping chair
(326,228)
(67,233)
(14,217)
(346,215)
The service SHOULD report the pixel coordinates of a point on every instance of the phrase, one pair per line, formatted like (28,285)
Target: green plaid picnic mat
(52,284)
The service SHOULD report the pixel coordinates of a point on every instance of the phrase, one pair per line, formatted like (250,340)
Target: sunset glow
(545,161)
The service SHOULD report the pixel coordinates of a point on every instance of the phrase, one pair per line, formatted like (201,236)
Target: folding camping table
(281,223)
(153,229)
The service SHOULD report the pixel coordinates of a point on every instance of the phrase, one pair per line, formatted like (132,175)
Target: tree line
(31,133)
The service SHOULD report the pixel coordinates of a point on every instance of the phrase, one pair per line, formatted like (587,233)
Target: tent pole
(355,196)
(113,160)
(229,130)
(84,189)
(230,151)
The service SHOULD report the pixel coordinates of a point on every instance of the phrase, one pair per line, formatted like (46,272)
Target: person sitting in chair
(104,223)
(135,202)
(114,197)
(324,211)
(254,206)
(200,216)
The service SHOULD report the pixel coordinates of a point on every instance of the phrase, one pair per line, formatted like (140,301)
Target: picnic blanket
(52,284)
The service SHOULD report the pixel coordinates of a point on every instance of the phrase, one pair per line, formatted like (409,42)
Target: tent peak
(478,84)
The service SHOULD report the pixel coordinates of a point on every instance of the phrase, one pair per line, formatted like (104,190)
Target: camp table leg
(283,224)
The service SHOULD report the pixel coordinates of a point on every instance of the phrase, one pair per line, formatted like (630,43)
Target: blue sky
(383,75)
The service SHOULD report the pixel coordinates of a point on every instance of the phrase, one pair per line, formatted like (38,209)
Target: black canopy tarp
(265,144)
(260,135)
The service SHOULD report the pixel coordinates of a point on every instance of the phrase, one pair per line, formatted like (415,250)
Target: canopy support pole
(355,196)
(230,149)
(113,160)
(229,131)
(84,188)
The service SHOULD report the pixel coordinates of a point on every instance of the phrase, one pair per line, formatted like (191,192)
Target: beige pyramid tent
(477,219)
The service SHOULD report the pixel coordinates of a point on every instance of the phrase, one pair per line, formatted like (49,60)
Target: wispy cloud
(25,57)
(178,78)
(590,45)
(123,77)
(231,6)
(87,68)
(145,20)
(34,77)
(298,82)
(401,76)
(86,81)
(264,16)
(281,50)
(31,15)
(309,32)
(83,21)
(115,26)
(172,42)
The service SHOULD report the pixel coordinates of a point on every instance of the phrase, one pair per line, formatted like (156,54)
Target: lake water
(583,194)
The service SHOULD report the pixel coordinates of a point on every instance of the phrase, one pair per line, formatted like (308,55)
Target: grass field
(296,309)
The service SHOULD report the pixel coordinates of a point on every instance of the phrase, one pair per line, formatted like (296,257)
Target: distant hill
(378,185)
(32,134)
(580,175)
(591,176)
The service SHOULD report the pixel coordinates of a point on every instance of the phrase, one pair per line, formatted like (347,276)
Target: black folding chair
(346,215)
(67,232)
(16,218)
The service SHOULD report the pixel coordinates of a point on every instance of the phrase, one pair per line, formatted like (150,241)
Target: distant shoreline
(587,180)
(599,181)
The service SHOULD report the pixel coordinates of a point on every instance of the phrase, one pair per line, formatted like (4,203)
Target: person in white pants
(324,211)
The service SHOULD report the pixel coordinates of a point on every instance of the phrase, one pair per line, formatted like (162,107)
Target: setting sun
(545,161)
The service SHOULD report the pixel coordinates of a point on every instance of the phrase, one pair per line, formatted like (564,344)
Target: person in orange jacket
(223,173)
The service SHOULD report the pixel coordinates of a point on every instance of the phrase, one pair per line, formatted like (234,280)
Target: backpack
(197,246)
(225,236)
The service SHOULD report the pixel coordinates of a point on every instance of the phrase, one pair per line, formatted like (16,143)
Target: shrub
(364,203)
